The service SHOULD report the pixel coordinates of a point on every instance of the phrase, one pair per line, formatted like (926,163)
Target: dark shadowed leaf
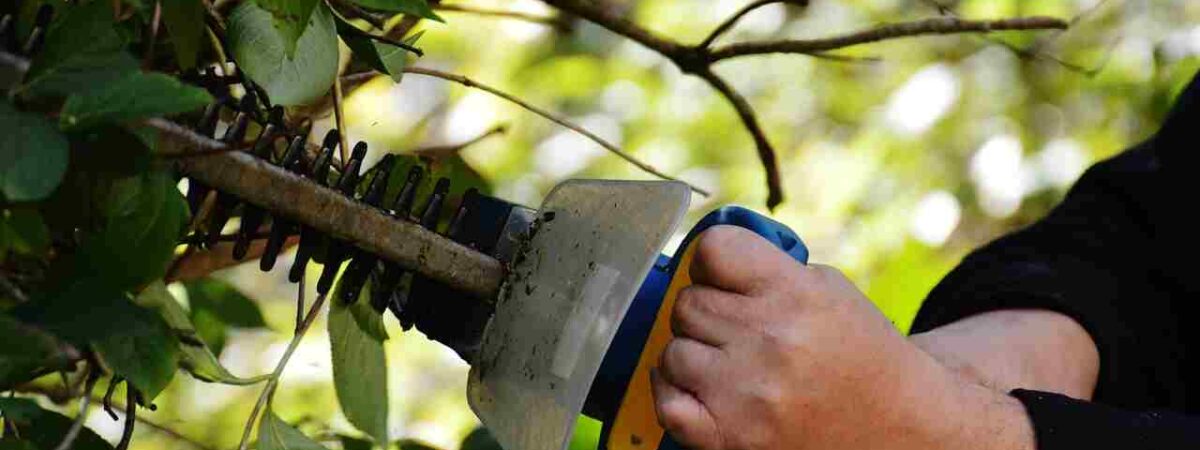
(38,352)
(480,439)
(261,50)
(413,444)
(419,8)
(359,371)
(144,350)
(44,429)
(136,96)
(33,155)
(23,232)
(195,357)
(83,50)
(184,22)
(353,443)
(275,434)
(385,58)
(144,217)
(218,298)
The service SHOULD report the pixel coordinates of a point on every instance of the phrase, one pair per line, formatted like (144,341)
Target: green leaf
(144,217)
(136,96)
(22,231)
(12,443)
(366,317)
(359,372)
(290,18)
(145,351)
(83,50)
(385,58)
(413,444)
(45,429)
(184,22)
(218,298)
(38,352)
(480,439)
(210,329)
(262,51)
(418,8)
(33,155)
(353,443)
(196,358)
(275,434)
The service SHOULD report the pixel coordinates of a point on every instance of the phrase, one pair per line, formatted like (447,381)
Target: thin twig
(173,434)
(436,152)
(1034,51)
(107,403)
(766,153)
(299,303)
(732,20)
(550,21)
(68,440)
(339,118)
(130,418)
(937,25)
(265,395)
(553,117)
(155,21)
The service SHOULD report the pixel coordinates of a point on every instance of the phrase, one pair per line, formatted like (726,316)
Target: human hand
(772,354)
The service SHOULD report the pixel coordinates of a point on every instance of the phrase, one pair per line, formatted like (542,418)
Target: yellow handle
(636,425)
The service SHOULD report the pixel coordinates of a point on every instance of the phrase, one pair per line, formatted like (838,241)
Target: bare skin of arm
(1005,350)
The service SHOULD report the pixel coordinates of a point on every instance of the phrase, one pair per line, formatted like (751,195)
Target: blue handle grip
(620,362)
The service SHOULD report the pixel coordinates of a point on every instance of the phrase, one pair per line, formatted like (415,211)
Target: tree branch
(550,21)
(766,153)
(265,396)
(437,152)
(732,20)
(553,117)
(938,25)
(697,60)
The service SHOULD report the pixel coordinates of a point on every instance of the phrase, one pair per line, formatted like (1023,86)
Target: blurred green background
(893,170)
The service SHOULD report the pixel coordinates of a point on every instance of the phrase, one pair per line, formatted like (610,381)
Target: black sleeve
(1118,256)
(1061,422)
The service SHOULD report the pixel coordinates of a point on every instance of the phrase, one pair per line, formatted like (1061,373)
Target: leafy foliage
(262,50)
(275,434)
(136,96)
(84,50)
(40,428)
(33,155)
(359,365)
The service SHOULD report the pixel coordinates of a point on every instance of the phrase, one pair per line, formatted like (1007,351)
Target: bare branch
(437,152)
(265,396)
(766,153)
(340,120)
(130,418)
(553,117)
(550,21)
(68,440)
(938,25)
(732,20)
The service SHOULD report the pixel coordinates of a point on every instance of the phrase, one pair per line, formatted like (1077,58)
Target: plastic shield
(562,302)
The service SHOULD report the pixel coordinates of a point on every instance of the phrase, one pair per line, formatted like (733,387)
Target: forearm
(1030,349)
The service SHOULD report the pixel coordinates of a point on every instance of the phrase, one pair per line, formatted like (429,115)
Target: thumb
(684,416)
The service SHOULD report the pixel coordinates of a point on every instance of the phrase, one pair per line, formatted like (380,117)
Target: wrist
(958,412)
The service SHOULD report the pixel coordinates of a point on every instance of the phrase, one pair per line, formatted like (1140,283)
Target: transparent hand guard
(562,302)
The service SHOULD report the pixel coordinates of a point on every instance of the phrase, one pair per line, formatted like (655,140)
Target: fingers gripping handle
(635,425)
